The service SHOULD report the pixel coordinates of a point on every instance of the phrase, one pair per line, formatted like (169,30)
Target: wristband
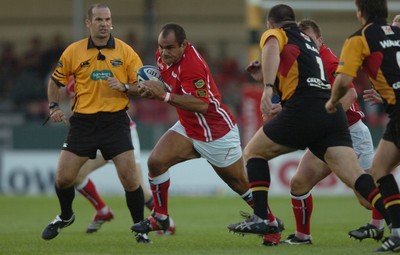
(167,97)
(269,85)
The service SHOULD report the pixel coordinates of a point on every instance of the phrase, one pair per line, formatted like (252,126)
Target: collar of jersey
(110,44)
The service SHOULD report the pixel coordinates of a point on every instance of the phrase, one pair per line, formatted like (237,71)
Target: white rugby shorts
(362,144)
(222,152)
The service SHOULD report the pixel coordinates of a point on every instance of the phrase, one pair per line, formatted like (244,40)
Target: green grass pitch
(201,228)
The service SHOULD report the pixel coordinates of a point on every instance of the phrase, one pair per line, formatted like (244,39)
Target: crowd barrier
(32,172)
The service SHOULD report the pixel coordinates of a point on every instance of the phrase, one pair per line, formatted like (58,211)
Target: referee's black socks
(135,202)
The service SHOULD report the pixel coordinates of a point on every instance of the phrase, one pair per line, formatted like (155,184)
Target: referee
(105,70)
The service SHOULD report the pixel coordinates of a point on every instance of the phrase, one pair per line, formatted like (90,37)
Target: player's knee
(64,182)
(155,166)
(298,186)
(129,182)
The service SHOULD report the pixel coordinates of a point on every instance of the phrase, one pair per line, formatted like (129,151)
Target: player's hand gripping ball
(149,72)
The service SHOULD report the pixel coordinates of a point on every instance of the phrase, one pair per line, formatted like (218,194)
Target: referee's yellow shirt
(90,66)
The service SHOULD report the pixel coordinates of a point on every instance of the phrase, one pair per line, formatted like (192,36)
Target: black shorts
(392,132)
(108,132)
(304,123)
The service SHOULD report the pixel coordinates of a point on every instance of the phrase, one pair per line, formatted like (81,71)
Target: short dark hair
(281,13)
(90,11)
(373,9)
(179,32)
(309,23)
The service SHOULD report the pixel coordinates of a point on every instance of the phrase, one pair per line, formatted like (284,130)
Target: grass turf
(201,228)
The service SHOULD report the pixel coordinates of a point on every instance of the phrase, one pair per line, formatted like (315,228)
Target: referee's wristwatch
(126,85)
(53,105)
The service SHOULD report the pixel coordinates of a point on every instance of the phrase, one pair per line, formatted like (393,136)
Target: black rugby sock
(259,181)
(391,198)
(65,198)
(135,202)
(365,185)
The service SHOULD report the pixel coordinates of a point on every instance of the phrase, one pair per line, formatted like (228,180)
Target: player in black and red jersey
(312,170)
(376,48)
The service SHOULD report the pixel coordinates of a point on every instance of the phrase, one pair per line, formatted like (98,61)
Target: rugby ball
(149,72)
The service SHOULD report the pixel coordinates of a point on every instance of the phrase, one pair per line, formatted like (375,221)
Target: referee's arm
(53,95)
(53,91)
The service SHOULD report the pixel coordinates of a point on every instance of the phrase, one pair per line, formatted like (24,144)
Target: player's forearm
(53,92)
(340,87)
(188,103)
(348,99)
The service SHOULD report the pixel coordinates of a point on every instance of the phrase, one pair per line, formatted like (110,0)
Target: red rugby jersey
(191,76)
(331,62)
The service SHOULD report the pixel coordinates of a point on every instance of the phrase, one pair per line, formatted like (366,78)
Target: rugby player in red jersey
(205,127)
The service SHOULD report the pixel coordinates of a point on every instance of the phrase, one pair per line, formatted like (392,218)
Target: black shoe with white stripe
(55,227)
(294,240)
(252,225)
(367,231)
(391,243)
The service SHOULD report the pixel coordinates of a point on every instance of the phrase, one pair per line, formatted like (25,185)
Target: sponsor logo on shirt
(390,43)
(101,75)
(316,82)
(201,93)
(116,62)
(387,30)
(199,84)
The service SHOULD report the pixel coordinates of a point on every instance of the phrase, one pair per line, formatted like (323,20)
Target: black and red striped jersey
(301,71)
(376,49)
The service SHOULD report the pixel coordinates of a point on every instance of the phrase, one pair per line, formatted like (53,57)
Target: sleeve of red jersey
(331,63)
(194,81)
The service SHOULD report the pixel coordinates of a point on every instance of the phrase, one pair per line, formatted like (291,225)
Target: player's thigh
(90,166)
(310,171)
(136,144)
(387,157)
(261,146)
(126,169)
(68,168)
(342,161)
(171,149)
